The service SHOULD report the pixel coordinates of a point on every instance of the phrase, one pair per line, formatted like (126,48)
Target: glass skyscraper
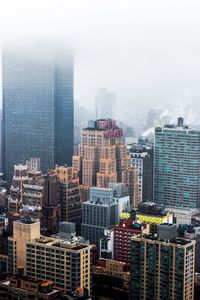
(177,166)
(38,116)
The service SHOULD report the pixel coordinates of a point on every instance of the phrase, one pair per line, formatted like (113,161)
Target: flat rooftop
(62,243)
(153,237)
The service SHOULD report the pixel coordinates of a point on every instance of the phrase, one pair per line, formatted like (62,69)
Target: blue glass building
(38,113)
(177,166)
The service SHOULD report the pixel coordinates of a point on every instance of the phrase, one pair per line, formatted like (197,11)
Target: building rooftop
(130,224)
(75,243)
(102,124)
(153,237)
(177,127)
(27,221)
(140,148)
(151,209)
(9,282)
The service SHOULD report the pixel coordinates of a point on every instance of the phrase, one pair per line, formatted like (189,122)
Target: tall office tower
(101,156)
(70,198)
(25,230)
(141,155)
(105,104)
(37,106)
(51,206)
(177,166)
(162,267)
(99,213)
(66,262)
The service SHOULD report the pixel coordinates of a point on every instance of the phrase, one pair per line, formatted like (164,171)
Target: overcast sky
(147,51)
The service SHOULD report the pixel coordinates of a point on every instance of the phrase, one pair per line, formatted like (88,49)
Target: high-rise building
(70,198)
(105,103)
(193,233)
(130,177)
(177,166)
(24,231)
(122,238)
(16,190)
(141,155)
(66,262)
(162,266)
(37,118)
(50,206)
(101,155)
(99,213)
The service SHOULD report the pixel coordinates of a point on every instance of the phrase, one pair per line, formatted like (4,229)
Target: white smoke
(148,132)
(185,106)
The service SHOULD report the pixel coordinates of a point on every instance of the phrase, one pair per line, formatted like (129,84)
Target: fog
(147,51)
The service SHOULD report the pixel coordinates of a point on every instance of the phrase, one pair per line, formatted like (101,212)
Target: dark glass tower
(38,111)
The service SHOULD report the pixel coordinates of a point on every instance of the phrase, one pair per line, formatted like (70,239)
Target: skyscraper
(70,200)
(177,166)
(37,107)
(101,155)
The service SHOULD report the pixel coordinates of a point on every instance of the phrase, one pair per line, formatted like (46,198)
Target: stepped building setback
(101,155)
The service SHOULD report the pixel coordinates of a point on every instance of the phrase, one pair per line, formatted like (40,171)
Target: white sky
(147,51)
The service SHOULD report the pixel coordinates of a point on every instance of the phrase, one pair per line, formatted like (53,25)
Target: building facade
(66,263)
(162,267)
(70,195)
(141,155)
(122,238)
(24,231)
(37,119)
(177,166)
(101,155)
(50,206)
(99,213)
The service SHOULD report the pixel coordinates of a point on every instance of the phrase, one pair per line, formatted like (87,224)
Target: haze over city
(147,52)
(100,150)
